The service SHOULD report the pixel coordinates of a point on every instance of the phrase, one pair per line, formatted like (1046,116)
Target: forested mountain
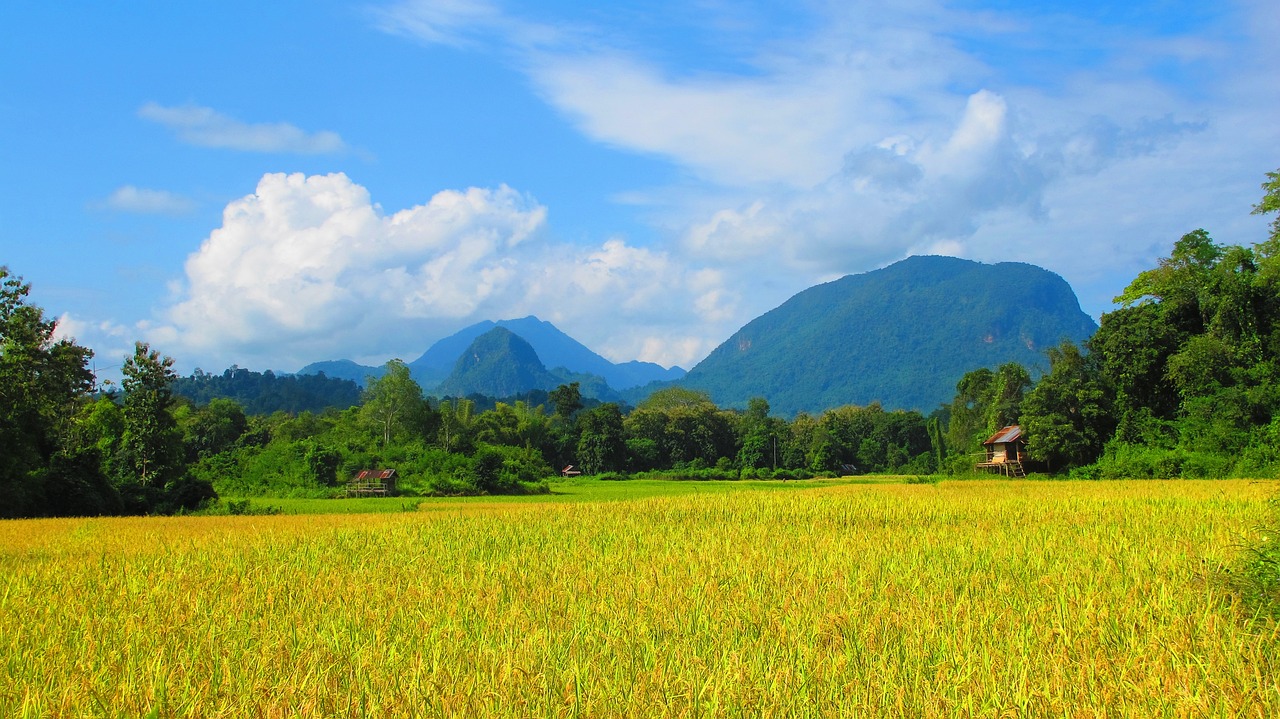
(498,363)
(901,336)
(343,369)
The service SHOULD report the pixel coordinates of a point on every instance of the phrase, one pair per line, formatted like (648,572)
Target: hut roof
(1012,433)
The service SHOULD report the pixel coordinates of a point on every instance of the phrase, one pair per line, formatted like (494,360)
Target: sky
(273,184)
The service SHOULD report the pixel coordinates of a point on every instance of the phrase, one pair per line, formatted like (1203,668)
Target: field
(1063,599)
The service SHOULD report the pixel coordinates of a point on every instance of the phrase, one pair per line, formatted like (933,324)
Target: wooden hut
(372,483)
(1006,451)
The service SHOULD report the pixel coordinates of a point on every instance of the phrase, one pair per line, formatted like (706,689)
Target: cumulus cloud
(147,202)
(207,127)
(309,268)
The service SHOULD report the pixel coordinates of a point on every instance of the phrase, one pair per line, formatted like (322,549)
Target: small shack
(570,471)
(1006,451)
(372,483)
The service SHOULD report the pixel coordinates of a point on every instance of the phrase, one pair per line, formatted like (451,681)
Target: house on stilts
(1006,453)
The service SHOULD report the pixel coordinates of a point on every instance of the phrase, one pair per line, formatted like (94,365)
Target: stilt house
(1006,451)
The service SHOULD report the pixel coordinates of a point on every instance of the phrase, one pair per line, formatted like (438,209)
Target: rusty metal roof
(376,474)
(1012,433)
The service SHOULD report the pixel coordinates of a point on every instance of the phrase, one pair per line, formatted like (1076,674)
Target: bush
(1133,461)
(75,486)
(1256,577)
(238,507)
(446,485)
(186,495)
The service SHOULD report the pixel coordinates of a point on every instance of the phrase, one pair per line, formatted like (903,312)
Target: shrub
(1256,578)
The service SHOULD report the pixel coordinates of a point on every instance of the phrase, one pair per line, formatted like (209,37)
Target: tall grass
(959,599)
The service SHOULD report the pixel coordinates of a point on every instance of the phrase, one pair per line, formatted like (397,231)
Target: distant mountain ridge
(554,349)
(902,336)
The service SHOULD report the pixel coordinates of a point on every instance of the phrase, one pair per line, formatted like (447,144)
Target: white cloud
(309,268)
(111,343)
(877,132)
(440,22)
(147,202)
(207,127)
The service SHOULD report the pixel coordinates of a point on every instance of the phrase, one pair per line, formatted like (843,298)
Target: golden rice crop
(963,599)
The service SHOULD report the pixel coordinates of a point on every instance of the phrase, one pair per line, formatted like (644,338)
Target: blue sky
(270,184)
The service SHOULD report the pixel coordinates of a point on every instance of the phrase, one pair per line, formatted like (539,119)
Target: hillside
(498,363)
(902,336)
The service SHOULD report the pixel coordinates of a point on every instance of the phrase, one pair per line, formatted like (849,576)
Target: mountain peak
(498,363)
(902,335)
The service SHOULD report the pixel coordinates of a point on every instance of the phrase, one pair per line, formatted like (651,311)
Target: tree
(1271,203)
(152,442)
(43,383)
(214,428)
(985,401)
(601,445)
(1133,346)
(567,399)
(394,403)
(757,435)
(457,417)
(1067,415)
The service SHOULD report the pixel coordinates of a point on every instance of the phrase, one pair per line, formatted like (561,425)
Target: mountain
(554,348)
(343,369)
(902,336)
(498,363)
(570,360)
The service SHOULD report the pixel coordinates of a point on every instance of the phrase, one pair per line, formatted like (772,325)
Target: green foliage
(393,405)
(567,400)
(43,382)
(1256,576)
(151,443)
(211,429)
(985,401)
(1067,416)
(245,507)
(457,419)
(75,486)
(267,392)
(601,443)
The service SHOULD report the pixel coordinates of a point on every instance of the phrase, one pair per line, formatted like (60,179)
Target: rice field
(983,599)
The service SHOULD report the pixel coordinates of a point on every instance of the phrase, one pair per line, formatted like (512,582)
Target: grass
(577,489)
(976,598)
